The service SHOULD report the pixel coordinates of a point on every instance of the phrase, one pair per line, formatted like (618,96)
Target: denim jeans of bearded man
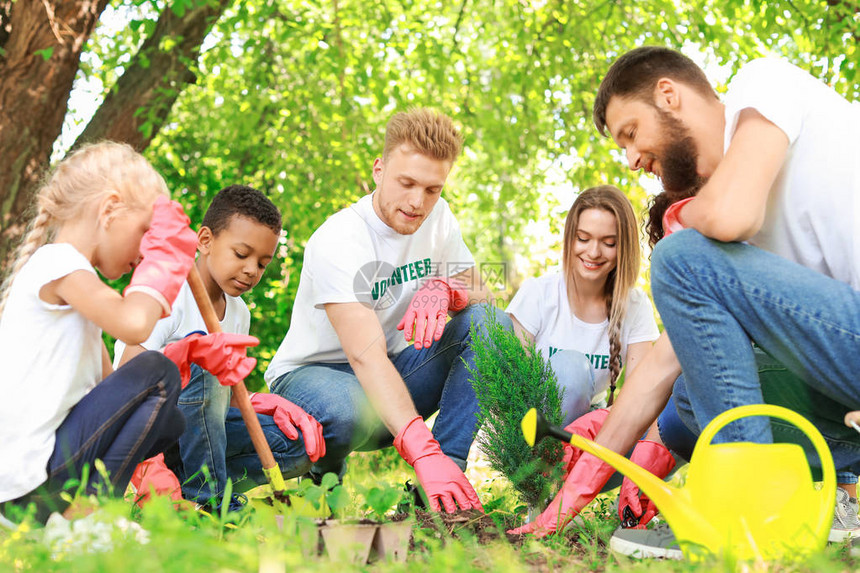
(750,327)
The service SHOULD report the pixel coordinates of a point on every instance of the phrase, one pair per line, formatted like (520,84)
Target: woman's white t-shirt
(51,357)
(541,306)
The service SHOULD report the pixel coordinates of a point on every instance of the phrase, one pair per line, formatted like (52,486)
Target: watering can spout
(676,504)
(716,511)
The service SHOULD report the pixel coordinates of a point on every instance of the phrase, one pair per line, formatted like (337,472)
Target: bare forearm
(731,205)
(386,391)
(643,397)
(364,344)
(130,352)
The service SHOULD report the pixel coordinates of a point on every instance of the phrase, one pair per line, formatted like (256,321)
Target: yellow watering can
(740,500)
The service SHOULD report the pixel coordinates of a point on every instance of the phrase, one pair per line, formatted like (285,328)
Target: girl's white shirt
(51,357)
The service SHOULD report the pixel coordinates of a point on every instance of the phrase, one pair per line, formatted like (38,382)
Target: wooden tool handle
(240,391)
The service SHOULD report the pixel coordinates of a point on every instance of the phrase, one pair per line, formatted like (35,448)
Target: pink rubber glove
(672,217)
(656,459)
(585,481)
(429,308)
(222,354)
(152,477)
(586,426)
(441,478)
(167,253)
(287,416)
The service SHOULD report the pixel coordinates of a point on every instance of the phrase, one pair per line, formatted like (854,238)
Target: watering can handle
(828,492)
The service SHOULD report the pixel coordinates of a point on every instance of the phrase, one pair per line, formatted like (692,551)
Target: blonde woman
(590,320)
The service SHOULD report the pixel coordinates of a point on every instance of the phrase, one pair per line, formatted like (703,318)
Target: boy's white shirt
(51,357)
(355,257)
(542,307)
(813,210)
(186,318)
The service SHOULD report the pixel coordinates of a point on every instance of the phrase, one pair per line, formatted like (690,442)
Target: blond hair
(623,277)
(87,175)
(430,133)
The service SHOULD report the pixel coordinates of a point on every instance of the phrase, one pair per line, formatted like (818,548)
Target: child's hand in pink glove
(167,253)
(222,354)
(152,476)
(429,308)
(287,416)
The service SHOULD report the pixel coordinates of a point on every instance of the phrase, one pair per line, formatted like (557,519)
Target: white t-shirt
(813,210)
(51,357)
(186,318)
(541,305)
(355,257)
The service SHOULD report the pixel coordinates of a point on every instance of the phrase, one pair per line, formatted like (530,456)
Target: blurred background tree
(292,96)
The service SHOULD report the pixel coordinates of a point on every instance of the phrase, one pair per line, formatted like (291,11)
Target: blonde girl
(105,209)
(589,320)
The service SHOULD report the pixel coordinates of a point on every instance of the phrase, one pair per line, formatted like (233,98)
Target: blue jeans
(217,438)
(716,298)
(575,379)
(780,387)
(437,380)
(130,416)
(243,463)
(204,402)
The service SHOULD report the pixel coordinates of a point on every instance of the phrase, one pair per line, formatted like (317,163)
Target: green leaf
(46,53)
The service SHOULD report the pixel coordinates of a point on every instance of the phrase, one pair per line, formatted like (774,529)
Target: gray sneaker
(846,523)
(646,543)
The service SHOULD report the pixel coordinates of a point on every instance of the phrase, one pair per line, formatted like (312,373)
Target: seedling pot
(391,542)
(348,542)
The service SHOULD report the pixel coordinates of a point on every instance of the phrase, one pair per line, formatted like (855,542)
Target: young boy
(236,242)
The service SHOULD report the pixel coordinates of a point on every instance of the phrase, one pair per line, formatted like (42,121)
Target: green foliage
(329,493)
(509,379)
(292,97)
(381,499)
(252,541)
(46,53)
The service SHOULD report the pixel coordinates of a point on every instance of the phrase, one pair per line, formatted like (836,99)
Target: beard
(679,157)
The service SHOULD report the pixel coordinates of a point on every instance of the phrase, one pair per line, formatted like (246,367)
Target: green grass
(250,541)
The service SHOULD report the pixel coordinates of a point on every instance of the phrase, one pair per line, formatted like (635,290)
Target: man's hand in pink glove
(585,481)
(442,480)
(429,308)
(656,459)
(672,217)
(586,426)
(222,354)
(167,253)
(287,416)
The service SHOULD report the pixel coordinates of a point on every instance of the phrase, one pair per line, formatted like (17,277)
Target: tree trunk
(42,42)
(35,87)
(134,111)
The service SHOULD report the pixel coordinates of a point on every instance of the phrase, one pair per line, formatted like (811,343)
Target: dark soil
(470,523)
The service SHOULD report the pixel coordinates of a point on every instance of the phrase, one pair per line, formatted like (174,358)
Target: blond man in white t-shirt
(383,272)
